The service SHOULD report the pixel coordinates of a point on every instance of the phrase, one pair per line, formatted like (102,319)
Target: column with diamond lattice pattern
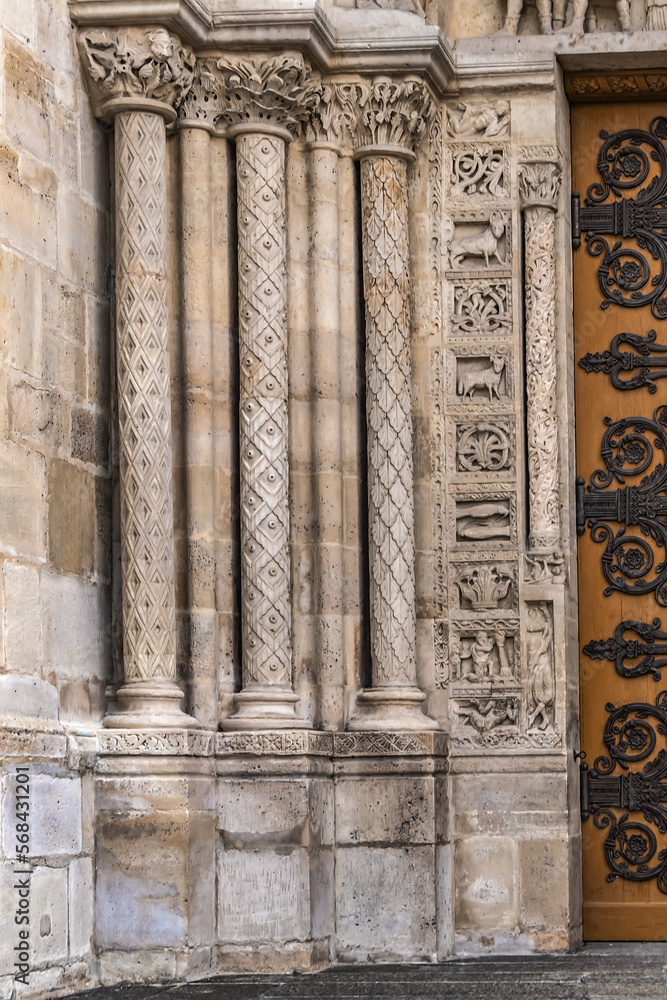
(392,119)
(149,697)
(267,699)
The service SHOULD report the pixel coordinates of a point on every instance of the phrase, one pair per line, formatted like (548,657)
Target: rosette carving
(148,63)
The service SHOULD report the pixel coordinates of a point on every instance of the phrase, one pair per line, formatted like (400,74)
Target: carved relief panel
(495,654)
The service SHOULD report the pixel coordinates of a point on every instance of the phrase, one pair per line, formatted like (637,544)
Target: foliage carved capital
(539,185)
(142,64)
(278,92)
(389,112)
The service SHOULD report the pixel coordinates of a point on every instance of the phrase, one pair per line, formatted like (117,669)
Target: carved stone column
(137,79)
(260,103)
(392,120)
(539,185)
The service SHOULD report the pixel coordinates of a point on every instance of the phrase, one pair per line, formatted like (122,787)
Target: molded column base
(264,708)
(391,709)
(151,704)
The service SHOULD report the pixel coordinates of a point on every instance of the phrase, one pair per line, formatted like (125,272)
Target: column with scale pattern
(261,102)
(137,79)
(392,119)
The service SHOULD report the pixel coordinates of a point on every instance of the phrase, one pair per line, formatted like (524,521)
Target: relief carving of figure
(484,520)
(656,15)
(475,122)
(483,244)
(514,9)
(539,655)
(481,655)
(580,8)
(488,378)
(487,716)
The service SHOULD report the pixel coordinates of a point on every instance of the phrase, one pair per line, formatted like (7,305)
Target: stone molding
(277,743)
(144,64)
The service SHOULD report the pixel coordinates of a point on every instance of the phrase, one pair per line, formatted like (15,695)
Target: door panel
(618,270)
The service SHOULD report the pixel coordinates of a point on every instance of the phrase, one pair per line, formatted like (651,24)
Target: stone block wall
(55,473)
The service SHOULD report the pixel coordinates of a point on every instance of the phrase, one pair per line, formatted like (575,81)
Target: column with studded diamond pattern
(150,696)
(267,699)
(392,119)
(260,102)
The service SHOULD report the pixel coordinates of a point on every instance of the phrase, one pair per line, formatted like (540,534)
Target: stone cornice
(146,66)
(338,41)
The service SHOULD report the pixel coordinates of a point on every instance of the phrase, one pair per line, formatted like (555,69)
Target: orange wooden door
(622,868)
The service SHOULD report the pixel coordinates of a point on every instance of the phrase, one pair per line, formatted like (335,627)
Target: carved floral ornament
(279,91)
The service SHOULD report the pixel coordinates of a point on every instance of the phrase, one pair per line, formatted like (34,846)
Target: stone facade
(287,599)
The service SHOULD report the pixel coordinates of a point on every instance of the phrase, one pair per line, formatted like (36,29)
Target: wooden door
(620,287)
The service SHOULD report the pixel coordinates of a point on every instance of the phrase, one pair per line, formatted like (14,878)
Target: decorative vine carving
(539,186)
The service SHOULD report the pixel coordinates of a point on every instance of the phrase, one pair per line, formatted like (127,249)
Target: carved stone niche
(483,447)
(477,170)
(480,375)
(484,653)
(480,307)
(489,585)
(483,518)
(480,241)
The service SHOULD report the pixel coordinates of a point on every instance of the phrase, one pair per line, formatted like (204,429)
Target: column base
(390,709)
(264,709)
(149,705)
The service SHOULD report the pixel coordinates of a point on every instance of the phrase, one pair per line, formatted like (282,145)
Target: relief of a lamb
(481,244)
(488,378)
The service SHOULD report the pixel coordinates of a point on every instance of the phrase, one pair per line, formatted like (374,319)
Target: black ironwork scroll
(631,847)
(627,160)
(648,367)
(630,561)
(651,645)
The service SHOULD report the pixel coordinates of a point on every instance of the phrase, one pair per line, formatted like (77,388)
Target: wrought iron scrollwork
(629,561)
(640,360)
(626,275)
(651,645)
(631,847)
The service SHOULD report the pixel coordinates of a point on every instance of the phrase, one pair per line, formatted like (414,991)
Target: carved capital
(201,105)
(138,64)
(275,93)
(333,119)
(539,185)
(389,113)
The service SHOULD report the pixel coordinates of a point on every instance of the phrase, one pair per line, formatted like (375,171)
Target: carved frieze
(485,516)
(485,652)
(480,241)
(480,376)
(479,170)
(545,567)
(479,121)
(488,585)
(145,63)
(480,307)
